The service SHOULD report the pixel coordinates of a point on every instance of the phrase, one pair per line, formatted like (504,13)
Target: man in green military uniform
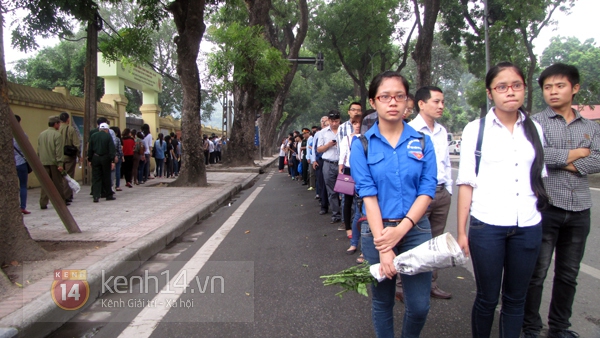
(50,151)
(101,154)
(71,138)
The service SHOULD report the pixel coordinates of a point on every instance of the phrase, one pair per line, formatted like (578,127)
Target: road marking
(590,270)
(150,317)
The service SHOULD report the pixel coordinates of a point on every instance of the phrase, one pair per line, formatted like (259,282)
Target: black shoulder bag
(71,150)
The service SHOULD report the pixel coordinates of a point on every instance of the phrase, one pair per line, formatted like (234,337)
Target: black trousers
(127,168)
(305,170)
(101,176)
(321,185)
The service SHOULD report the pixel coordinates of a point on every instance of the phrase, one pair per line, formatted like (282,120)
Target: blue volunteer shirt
(396,175)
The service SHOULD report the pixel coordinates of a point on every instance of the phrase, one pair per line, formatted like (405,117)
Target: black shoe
(529,334)
(67,203)
(322,212)
(304,183)
(562,334)
(43,207)
(69,200)
(96,199)
(111,198)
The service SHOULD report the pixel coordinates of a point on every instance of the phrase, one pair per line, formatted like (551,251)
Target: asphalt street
(267,248)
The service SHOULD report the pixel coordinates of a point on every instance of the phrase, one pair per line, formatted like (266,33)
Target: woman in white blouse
(503,198)
(352,231)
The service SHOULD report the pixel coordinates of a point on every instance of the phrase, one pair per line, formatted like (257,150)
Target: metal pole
(42,176)
(487,47)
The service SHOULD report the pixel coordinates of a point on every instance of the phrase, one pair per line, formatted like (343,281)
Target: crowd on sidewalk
(112,156)
(522,186)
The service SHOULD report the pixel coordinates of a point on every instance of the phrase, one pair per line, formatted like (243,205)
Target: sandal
(360,259)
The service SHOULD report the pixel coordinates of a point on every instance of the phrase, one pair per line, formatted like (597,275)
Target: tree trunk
(15,243)
(189,20)
(422,52)
(241,148)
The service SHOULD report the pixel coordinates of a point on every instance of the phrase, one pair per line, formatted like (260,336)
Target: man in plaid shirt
(571,152)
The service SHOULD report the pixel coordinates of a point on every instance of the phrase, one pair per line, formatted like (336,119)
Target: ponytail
(535,175)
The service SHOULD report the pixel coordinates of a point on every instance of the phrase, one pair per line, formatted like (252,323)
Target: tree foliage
(585,56)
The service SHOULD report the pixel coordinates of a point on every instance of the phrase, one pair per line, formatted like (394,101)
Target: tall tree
(251,68)
(357,36)
(286,29)
(425,28)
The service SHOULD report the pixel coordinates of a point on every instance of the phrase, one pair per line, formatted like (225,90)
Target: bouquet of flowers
(437,253)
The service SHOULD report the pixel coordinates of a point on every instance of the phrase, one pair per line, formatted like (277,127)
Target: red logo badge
(70,289)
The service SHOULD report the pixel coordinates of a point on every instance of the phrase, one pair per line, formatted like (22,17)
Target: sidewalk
(140,223)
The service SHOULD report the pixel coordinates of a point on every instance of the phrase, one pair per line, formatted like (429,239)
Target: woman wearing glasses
(503,193)
(396,177)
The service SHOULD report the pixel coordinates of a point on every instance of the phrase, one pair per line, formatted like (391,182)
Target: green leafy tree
(358,36)
(253,70)
(585,56)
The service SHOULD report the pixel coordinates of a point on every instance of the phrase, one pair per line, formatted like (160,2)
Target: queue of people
(522,190)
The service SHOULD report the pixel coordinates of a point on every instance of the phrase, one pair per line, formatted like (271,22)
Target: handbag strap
(478,146)
(20,153)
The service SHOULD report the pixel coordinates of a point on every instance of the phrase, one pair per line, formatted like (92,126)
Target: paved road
(269,247)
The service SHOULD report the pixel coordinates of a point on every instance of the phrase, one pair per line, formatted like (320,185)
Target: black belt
(98,155)
(332,162)
(439,187)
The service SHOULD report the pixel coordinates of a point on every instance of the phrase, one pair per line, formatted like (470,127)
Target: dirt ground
(60,255)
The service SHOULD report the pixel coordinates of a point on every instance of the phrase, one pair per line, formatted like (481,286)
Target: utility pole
(89,88)
(318,61)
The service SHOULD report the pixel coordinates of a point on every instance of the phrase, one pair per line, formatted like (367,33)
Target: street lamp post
(487,46)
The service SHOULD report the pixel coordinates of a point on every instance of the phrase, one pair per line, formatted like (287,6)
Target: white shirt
(345,147)
(333,153)
(439,137)
(343,130)
(313,154)
(281,150)
(502,192)
(211,146)
(148,143)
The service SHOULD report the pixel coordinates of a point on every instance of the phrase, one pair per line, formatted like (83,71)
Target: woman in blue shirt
(161,146)
(397,181)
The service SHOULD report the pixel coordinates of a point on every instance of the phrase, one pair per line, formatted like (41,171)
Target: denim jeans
(565,231)
(416,288)
(146,171)
(503,258)
(355,226)
(141,171)
(160,163)
(23,175)
(118,172)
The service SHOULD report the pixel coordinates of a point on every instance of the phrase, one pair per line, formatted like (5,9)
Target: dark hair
(64,116)
(357,118)
(376,82)
(334,115)
(532,135)
(140,135)
(160,138)
(354,103)
(410,97)
(167,138)
(18,118)
(560,69)
(172,134)
(424,94)
(101,120)
(126,133)
(117,131)
(369,112)
(146,129)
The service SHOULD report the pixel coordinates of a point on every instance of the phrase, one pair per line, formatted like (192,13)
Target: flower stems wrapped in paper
(437,253)
(74,185)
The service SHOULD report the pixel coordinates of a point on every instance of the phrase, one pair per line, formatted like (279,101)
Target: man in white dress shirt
(429,104)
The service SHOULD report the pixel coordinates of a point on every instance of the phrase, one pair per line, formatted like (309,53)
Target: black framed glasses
(517,87)
(388,98)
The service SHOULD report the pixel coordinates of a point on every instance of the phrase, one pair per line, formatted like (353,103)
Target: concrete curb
(41,316)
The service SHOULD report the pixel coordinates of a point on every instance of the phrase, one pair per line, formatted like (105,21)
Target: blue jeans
(503,258)
(355,226)
(146,172)
(23,175)
(175,166)
(416,288)
(159,166)
(141,171)
(118,172)
(566,232)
